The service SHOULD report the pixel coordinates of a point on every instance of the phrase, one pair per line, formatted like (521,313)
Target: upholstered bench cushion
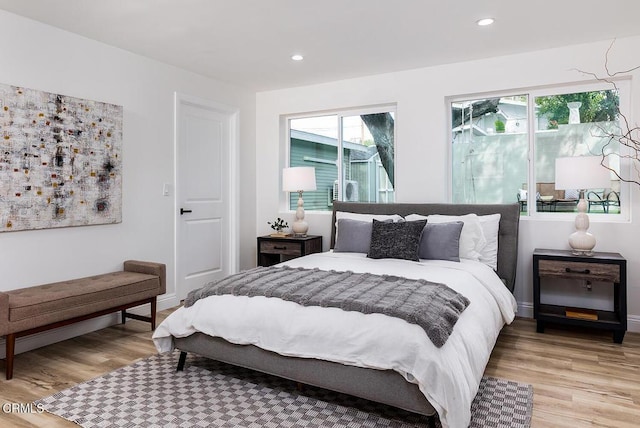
(44,304)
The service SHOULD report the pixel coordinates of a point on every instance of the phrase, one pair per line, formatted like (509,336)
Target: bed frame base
(381,386)
(181,361)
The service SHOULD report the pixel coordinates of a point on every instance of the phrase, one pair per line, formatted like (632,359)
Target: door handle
(183,211)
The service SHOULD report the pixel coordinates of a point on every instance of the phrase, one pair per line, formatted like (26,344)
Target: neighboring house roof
(476,129)
(357,155)
(512,109)
(321,139)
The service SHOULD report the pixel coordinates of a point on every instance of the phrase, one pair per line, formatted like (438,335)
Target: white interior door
(203,203)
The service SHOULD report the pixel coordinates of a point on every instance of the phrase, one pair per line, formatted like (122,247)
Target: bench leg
(150,319)
(10,347)
(154,303)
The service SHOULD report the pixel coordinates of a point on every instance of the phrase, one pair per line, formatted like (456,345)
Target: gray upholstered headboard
(507,235)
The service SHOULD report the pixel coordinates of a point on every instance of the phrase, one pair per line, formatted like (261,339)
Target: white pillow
(365,217)
(490,225)
(472,239)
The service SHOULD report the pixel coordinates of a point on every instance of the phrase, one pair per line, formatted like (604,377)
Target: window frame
(622,84)
(340,115)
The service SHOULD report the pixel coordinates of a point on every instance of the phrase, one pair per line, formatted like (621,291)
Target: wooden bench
(31,310)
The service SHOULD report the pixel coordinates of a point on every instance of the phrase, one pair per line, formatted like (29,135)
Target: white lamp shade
(299,178)
(582,172)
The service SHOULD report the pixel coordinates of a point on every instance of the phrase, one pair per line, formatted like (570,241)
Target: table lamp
(299,179)
(582,173)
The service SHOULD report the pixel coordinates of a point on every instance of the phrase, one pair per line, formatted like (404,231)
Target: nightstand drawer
(285,248)
(589,271)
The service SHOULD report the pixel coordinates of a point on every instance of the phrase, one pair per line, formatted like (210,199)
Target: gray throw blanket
(434,307)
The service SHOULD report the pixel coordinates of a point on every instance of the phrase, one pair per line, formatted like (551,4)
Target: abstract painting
(60,160)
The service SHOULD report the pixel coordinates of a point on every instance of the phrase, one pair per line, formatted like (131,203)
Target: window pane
(313,142)
(489,150)
(569,125)
(368,157)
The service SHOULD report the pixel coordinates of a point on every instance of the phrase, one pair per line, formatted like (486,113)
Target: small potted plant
(278,225)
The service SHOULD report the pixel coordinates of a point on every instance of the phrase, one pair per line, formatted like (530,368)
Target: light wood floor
(580,378)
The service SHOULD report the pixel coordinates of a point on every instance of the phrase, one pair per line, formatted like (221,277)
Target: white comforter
(448,376)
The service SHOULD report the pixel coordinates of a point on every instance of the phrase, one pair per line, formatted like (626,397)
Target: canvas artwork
(60,163)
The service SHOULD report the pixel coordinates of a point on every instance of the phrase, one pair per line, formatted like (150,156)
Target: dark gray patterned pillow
(396,240)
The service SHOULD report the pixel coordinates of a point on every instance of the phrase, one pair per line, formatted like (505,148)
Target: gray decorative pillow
(441,241)
(396,240)
(354,236)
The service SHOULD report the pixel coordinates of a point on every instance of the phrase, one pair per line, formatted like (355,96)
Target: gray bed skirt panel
(382,386)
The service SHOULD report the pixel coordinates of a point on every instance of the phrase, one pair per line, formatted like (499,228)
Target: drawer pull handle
(275,247)
(585,271)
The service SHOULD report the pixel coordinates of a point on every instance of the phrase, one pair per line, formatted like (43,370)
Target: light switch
(166,189)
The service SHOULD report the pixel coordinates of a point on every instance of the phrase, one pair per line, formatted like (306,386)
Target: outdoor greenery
(597,106)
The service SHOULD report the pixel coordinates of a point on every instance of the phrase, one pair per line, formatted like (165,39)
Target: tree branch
(627,137)
(381,126)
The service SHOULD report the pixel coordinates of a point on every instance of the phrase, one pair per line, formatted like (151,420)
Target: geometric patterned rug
(151,393)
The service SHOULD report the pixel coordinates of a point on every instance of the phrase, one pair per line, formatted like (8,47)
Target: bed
(425,380)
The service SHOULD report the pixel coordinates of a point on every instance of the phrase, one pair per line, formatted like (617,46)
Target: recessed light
(297,57)
(485,21)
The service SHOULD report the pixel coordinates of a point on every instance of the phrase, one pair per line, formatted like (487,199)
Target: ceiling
(250,42)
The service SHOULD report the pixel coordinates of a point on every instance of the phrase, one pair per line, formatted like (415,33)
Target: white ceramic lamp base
(581,241)
(300,226)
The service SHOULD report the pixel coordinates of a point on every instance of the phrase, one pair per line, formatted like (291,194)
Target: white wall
(422,170)
(41,57)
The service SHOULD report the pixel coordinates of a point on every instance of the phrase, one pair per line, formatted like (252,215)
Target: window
(352,152)
(490,149)
(504,147)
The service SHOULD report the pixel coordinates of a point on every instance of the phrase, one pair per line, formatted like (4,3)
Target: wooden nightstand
(272,250)
(609,268)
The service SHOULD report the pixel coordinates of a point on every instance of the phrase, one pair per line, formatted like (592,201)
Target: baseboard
(633,323)
(38,340)
(525,310)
